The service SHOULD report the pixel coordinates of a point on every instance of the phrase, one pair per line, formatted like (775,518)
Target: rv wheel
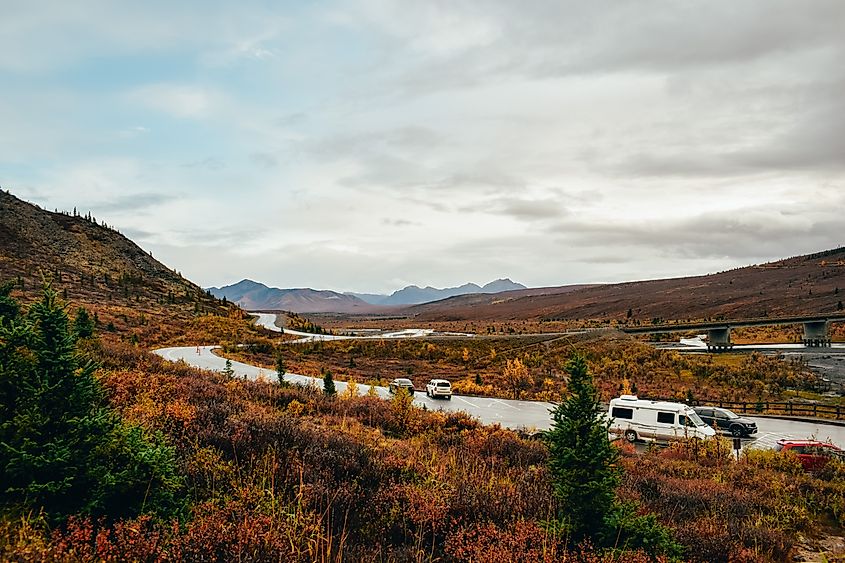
(631,436)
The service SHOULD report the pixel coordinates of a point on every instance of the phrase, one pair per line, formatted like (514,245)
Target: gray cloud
(373,141)
(547,141)
(570,37)
(138,235)
(521,208)
(743,235)
(399,222)
(135,202)
(213,237)
(811,140)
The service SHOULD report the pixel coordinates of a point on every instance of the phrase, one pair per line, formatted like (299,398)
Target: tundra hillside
(131,295)
(802,285)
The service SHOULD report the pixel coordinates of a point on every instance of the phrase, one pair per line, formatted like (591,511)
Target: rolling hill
(95,266)
(809,284)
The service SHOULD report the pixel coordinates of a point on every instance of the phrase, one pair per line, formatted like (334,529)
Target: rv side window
(620,412)
(666,417)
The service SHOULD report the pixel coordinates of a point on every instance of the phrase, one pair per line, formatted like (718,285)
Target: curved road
(508,413)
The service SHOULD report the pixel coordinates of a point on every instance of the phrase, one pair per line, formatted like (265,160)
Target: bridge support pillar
(719,339)
(816,333)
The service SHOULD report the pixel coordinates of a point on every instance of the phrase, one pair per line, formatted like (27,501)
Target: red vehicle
(812,454)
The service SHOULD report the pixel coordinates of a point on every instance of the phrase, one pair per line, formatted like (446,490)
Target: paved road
(698,344)
(508,413)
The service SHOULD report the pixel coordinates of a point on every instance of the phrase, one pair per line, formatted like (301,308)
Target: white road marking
(504,404)
(464,401)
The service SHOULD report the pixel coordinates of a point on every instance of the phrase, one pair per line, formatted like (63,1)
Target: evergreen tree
(9,308)
(61,448)
(228,371)
(328,384)
(585,473)
(281,367)
(582,461)
(83,324)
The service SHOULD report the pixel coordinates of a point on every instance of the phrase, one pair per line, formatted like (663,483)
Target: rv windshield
(693,416)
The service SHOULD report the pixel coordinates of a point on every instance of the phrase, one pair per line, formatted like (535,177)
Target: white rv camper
(655,420)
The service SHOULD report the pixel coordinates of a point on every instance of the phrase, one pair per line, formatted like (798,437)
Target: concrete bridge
(816,329)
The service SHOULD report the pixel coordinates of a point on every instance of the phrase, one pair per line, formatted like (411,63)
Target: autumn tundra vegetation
(109,453)
(534,367)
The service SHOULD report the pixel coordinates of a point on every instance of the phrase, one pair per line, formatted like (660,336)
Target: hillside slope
(96,267)
(799,285)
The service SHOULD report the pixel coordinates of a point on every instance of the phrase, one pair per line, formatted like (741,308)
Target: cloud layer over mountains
(370,144)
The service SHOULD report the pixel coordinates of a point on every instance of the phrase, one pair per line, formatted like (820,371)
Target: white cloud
(179,100)
(357,144)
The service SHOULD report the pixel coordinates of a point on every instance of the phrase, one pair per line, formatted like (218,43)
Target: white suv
(439,388)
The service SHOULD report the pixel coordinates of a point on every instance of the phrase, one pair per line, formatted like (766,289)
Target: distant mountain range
(256,296)
(413,295)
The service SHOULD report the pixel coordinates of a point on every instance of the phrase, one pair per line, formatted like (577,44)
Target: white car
(439,388)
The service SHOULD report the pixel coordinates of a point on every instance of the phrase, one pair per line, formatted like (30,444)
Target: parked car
(724,420)
(812,454)
(437,388)
(401,382)
(655,420)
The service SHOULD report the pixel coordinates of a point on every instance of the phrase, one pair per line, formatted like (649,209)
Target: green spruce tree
(83,324)
(61,448)
(281,366)
(585,474)
(328,384)
(9,308)
(582,461)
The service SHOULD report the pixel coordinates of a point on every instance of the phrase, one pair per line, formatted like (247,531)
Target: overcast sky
(367,145)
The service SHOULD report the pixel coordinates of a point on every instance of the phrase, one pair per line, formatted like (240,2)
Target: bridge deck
(686,327)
